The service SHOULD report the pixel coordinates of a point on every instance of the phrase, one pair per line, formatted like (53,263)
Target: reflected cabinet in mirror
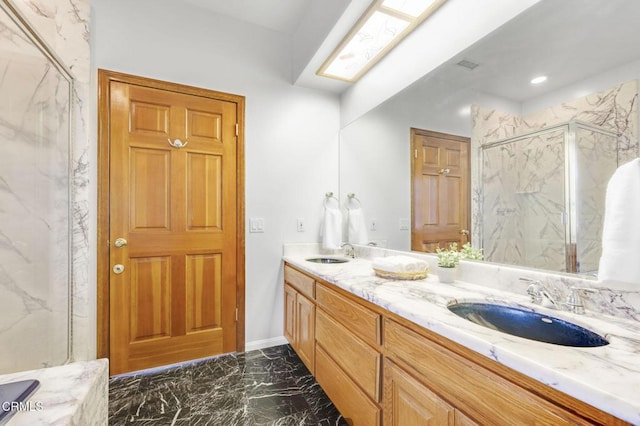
(541,155)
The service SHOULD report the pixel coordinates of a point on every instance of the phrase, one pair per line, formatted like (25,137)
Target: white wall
(291,138)
(594,84)
(375,160)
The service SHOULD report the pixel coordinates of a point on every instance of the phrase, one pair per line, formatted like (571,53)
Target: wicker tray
(402,275)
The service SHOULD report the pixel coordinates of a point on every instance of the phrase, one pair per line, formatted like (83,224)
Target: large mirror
(545,149)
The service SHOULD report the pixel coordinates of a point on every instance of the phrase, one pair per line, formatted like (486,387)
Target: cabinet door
(290,315)
(306,330)
(359,360)
(349,399)
(462,420)
(408,402)
(492,399)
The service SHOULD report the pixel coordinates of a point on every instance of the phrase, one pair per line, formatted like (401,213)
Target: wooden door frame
(429,133)
(105,77)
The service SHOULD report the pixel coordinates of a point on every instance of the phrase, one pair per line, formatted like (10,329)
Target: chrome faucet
(575,302)
(539,294)
(349,251)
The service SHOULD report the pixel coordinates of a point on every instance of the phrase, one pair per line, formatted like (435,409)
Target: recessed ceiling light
(540,79)
(465,111)
(382,27)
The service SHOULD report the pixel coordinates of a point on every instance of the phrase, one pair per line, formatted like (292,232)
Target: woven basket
(409,276)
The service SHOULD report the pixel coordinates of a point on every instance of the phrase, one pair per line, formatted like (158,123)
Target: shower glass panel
(543,197)
(524,200)
(596,160)
(35,272)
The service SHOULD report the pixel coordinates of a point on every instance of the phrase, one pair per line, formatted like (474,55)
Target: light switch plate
(256,224)
(404,224)
(300,225)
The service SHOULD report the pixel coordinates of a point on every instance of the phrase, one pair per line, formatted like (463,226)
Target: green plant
(471,253)
(448,258)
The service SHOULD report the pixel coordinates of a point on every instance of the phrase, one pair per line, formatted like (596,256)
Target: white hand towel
(621,230)
(399,263)
(332,228)
(357,227)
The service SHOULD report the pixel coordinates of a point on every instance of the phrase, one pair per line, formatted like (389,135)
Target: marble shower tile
(64,27)
(614,110)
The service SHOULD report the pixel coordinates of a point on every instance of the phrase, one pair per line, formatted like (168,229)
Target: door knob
(118,269)
(120,242)
(444,171)
(464,232)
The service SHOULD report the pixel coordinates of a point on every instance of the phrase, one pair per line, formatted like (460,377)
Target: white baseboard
(265,343)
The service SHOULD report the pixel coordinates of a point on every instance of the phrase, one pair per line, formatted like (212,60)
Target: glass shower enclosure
(35,200)
(542,197)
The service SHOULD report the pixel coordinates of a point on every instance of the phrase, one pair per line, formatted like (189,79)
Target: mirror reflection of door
(439,190)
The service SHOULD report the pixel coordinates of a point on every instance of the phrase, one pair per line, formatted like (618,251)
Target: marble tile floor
(263,387)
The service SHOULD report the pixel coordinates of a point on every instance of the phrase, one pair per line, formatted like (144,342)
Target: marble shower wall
(34,199)
(64,27)
(523,188)
(614,110)
(596,162)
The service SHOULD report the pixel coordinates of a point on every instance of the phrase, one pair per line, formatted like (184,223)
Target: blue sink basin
(527,324)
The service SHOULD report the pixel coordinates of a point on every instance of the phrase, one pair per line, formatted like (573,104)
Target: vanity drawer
(356,358)
(358,319)
(352,403)
(301,282)
(485,396)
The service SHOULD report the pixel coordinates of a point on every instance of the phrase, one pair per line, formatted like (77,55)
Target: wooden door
(407,402)
(439,190)
(175,206)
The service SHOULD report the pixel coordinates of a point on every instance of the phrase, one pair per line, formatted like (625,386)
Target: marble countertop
(71,394)
(605,377)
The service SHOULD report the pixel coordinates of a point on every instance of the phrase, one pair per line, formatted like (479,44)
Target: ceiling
(565,40)
(278,15)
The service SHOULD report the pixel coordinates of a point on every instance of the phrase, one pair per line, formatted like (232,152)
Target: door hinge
(236,314)
(236,129)
(415,153)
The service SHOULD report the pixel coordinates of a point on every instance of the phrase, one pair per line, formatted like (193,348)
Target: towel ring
(352,197)
(328,196)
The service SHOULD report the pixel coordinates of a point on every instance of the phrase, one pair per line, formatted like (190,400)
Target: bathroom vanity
(390,352)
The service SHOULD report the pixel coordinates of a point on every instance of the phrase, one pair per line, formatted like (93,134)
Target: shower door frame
(34,37)
(570,180)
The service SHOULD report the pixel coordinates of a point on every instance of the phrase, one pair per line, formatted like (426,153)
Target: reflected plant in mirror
(540,155)
(468,252)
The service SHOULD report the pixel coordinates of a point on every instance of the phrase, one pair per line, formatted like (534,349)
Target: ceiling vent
(467,64)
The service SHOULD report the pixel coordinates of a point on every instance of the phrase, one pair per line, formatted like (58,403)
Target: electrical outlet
(300,225)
